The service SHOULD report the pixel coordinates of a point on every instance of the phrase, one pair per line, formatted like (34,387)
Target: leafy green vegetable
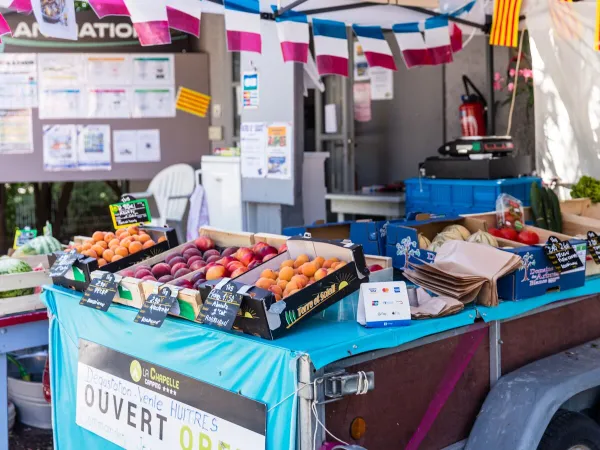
(587,187)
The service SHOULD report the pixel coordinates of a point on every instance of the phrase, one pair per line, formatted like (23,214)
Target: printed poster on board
(279,151)
(253,149)
(56,18)
(16,131)
(60,147)
(18,80)
(93,147)
(134,403)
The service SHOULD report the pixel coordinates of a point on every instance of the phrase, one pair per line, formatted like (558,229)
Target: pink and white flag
(150,21)
(184,15)
(4,27)
(431,48)
(294,35)
(242,22)
(104,8)
(437,40)
(331,47)
(456,37)
(20,6)
(375,47)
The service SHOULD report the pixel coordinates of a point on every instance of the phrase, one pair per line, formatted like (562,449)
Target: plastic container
(28,396)
(452,197)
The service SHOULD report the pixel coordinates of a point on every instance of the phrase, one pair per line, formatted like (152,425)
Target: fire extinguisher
(473,111)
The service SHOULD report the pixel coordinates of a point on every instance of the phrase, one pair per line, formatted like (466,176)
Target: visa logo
(373,290)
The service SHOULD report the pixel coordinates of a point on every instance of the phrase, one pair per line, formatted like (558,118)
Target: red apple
(238,272)
(217,271)
(204,243)
(196,265)
(229,251)
(178,266)
(264,251)
(375,268)
(268,257)
(282,249)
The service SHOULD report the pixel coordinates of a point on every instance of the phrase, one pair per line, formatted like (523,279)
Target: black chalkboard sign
(562,255)
(101,292)
(156,307)
(132,212)
(63,263)
(221,307)
(593,245)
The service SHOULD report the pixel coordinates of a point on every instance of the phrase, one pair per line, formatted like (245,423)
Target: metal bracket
(340,384)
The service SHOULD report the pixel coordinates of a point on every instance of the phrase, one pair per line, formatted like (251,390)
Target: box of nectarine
(112,253)
(289,287)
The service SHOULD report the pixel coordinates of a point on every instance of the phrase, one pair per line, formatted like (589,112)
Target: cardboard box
(370,234)
(403,240)
(262,316)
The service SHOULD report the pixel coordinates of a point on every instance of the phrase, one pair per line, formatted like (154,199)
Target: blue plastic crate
(441,196)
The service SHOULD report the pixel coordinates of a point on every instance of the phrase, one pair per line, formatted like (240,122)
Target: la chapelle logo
(135,370)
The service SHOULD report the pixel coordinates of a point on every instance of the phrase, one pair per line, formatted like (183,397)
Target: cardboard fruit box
(262,316)
(80,275)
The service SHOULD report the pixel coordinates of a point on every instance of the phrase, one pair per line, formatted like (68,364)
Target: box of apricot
(308,277)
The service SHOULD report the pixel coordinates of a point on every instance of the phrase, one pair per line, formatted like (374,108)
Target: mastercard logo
(385,290)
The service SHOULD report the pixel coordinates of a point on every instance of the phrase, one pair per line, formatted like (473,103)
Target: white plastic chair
(171,189)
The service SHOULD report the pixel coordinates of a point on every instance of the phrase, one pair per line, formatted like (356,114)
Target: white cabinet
(222,182)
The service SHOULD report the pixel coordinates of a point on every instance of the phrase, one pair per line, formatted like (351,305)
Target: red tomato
(495,232)
(509,233)
(529,237)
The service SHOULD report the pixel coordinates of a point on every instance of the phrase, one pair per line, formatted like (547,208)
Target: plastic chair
(171,189)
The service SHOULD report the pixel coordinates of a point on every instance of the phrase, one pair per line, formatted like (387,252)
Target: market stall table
(388,205)
(17,332)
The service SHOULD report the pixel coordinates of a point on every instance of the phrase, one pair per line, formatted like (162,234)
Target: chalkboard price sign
(593,243)
(101,292)
(156,307)
(221,307)
(63,263)
(133,212)
(562,255)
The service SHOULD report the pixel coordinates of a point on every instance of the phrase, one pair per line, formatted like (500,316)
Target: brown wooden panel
(537,336)
(405,383)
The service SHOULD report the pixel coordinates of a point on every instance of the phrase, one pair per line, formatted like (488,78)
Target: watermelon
(10,266)
(42,245)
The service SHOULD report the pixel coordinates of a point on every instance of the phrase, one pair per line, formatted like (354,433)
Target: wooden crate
(13,305)
(224,238)
(274,240)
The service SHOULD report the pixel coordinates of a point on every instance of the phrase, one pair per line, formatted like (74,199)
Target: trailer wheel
(570,431)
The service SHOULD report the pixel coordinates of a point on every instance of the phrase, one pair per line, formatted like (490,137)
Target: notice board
(183,138)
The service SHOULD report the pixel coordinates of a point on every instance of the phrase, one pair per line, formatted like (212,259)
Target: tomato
(495,232)
(528,237)
(509,233)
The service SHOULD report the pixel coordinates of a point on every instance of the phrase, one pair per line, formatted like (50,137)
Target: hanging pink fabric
(4,27)
(104,8)
(184,15)
(150,21)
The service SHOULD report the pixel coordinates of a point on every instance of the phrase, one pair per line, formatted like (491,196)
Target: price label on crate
(101,292)
(593,245)
(130,212)
(562,255)
(64,262)
(156,307)
(221,306)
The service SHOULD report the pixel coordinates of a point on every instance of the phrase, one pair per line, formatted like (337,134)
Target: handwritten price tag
(562,255)
(156,307)
(221,307)
(101,292)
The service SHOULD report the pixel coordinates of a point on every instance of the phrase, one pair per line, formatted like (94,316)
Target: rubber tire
(567,429)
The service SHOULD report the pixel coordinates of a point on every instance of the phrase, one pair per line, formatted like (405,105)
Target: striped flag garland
(437,40)
(20,6)
(104,8)
(184,15)
(150,21)
(375,47)
(430,48)
(411,43)
(242,23)
(456,38)
(505,23)
(294,35)
(331,47)
(4,27)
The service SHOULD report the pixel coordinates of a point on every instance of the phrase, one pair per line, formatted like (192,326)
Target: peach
(276,289)
(197,265)
(253,264)
(170,256)
(287,263)
(141,273)
(238,272)
(286,273)
(176,260)
(213,258)
(176,267)
(247,259)
(229,251)
(161,269)
(187,254)
(204,243)
(268,273)
(98,236)
(211,252)
(263,251)
(181,272)
(234,266)
(320,274)
(166,278)
(282,249)
(224,261)
(308,269)
(193,259)
(265,283)
(148,278)
(216,271)
(301,260)
(268,257)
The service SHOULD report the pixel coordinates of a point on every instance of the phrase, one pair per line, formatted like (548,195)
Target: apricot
(268,273)
(85,247)
(162,239)
(109,237)
(121,251)
(78,248)
(147,244)
(116,258)
(282,284)
(276,290)
(290,287)
(328,263)
(90,241)
(108,255)
(300,281)
(308,269)
(265,283)
(144,238)
(287,263)
(294,291)
(114,243)
(318,261)
(338,265)
(101,262)
(99,250)
(90,253)
(301,260)
(278,298)
(135,237)
(320,274)
(102,244)
(98,236)
(286,273)
(134,247)
(133,230)
(125,242)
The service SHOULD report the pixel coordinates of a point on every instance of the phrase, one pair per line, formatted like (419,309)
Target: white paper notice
(361,66)
(331,123)
(279,151)
(93,147)
(154,70)
(18,80)
(154,102)
(115,69)
(125,146)
(56,18)
(16,131)
(148,145)
(108,102)
(382,83)
(253,146)
(60,147)
(61,69)
(62,103)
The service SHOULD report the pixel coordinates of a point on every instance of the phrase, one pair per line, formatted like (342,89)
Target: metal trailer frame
(307,374)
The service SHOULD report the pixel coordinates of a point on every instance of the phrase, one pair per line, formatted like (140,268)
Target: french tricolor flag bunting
(20,6)
(331,47)
(294,35)
(437,40)
(424,49)
(456,37)
(104,8)
(411,43)
(375,47)
(184,15)
(242,22)
(150,21)
(4,27)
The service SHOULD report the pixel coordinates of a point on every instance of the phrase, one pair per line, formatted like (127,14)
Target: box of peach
(287,288)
